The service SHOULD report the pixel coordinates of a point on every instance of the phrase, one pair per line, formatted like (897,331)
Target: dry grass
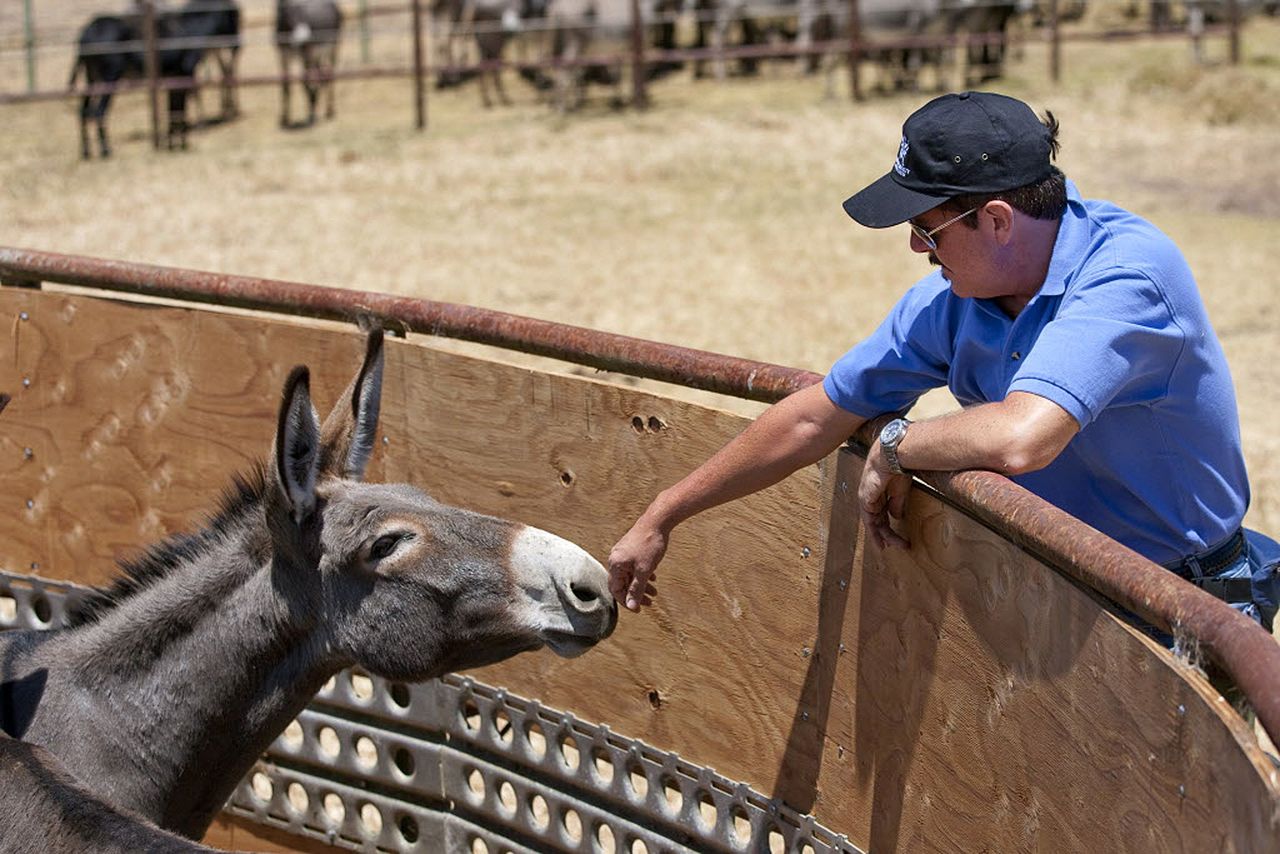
(711,221)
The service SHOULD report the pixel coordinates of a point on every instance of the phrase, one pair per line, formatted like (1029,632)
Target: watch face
(893,432)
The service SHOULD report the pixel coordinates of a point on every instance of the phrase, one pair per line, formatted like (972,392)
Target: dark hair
(1046,199)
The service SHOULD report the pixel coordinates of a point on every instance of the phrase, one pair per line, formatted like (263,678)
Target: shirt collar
(1069,246)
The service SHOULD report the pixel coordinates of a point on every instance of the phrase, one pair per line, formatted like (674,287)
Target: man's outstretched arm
(795,432)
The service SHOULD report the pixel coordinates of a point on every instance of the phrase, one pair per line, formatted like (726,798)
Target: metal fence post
(362,14)
(419,90)
(152,65)
(855,51)
(639,96)
(1233,19)
(29,42)
(1055,43)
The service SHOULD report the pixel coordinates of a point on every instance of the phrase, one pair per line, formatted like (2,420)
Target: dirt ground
(711,220)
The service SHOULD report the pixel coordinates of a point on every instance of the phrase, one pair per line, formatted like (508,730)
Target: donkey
(165,687)
(44,807)
(111,48)
(308,31)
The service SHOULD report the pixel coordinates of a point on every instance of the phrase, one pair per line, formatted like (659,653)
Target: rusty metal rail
(1248,655)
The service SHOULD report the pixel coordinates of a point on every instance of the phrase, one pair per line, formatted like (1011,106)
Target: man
(1072,334)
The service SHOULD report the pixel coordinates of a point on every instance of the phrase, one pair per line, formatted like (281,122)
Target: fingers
(641,594)
(882,499)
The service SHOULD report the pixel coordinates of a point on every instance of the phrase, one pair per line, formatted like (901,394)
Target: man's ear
(1000,216)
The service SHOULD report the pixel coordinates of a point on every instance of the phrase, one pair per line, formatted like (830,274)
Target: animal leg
(227,65)
(284,87)
(328,78)
(100,117)
(85,113)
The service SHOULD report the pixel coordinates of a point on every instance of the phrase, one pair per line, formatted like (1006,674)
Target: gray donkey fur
(165,688)
(44,809)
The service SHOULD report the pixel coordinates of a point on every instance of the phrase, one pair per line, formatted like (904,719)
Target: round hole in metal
(361,686)
(475,784)
(539,814)
(298,799)
(329,743)
(502,726)
(507,797)
(399,694)
(569,752)
(672,794)
(404,761)
(572,824)
(706,808)
(639,782)
(262,786)
(366,751)
(408,829)
(42,610)
(741,824)
(292,735)
(370,819)
(537,740)
(334,808)
(604,842)
(603,765)
(470,715)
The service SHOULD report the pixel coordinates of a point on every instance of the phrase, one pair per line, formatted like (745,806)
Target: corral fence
(402,40)
(795,689)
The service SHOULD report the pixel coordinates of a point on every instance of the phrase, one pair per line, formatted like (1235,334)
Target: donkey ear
(297,448)
(352,426)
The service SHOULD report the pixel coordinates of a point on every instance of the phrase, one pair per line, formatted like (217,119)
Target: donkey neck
(198,671)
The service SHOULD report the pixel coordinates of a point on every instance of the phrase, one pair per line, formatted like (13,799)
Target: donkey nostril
(584,593)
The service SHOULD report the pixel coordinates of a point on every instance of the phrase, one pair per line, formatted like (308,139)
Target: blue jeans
(1259,562)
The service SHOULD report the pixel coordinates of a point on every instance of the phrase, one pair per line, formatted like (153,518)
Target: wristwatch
(890,438)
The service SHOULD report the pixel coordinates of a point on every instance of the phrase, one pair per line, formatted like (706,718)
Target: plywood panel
(958,696)
(237,834)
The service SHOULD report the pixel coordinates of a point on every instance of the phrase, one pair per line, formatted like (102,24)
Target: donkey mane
(241,498)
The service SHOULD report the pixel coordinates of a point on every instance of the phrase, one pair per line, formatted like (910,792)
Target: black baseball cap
(970,142)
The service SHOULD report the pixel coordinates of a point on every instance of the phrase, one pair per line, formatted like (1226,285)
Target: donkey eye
(384,545)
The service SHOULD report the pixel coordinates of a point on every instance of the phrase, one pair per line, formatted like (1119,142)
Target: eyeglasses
(926,237)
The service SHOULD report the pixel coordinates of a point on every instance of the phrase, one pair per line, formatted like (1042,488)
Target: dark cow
(111,48)
(308,31)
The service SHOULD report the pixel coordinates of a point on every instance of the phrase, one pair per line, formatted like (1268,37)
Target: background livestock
(711,220)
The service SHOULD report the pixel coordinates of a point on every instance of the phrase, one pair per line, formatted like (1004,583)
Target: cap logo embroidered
(901,165)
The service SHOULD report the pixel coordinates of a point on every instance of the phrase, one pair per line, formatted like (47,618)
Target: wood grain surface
(958,696)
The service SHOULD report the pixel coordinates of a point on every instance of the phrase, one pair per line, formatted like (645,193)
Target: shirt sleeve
(907,355)
(1113,342)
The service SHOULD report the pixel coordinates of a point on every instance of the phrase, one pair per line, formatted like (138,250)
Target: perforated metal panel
(455,765)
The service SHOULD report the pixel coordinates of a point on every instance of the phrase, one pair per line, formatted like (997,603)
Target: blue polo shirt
(1117,336)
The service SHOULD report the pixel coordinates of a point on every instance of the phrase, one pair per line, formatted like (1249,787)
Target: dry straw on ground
(711,220)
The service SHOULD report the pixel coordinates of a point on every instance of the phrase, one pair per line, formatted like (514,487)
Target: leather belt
(1200,569)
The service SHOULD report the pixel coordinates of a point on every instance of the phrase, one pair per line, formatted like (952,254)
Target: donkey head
(410,588)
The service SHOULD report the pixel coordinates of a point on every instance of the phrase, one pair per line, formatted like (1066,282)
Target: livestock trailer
(795,689)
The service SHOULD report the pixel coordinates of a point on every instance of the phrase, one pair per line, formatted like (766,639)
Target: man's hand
(882,496)
(633,565)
